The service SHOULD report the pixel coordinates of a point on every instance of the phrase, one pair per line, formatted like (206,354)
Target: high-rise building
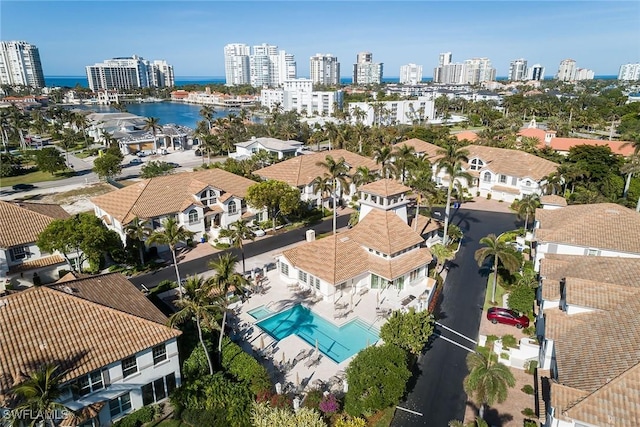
(629,72)
(410,74)
(566,70)
(287,68)
(236,64)
(479,70)
(535,72)
(448,72)
(20,64)
(325,69)
(129,73)
(584,74)
(444,59)
(365,71)
(518,70)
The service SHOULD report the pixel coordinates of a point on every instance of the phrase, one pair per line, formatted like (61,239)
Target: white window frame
(486,177)
(284,268)
(159,353)
(232,204)
(503,179)
(302,276)
(123,403)
(93,384)
(193,216)
(126,372)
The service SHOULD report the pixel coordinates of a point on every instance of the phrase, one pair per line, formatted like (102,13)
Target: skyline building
(629,72)
(410,74)
(365,71)
(566,70)
(20,64)
(535,72)
(445,59)
(448,72)
(261,66)
(517,70)
(478,70)
(129,73)
(324,69)
(584,74)
(236,64)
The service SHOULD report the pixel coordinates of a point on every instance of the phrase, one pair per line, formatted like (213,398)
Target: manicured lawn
(382,418)
(30,178)
(500,291)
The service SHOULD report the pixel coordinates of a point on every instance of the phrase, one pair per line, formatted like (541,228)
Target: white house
(281,149)
(202,202)
(298,95)
(601,229)
(108,339)
(20,258)
(382,252)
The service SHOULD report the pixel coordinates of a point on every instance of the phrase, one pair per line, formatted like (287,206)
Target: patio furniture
(303,354)
(363,291)
(314,360)
(318,383)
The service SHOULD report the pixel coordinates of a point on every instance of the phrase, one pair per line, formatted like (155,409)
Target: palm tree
(404,159)
(38,395)
(225,280)
(632,166)
(362,175)
(337,173)
(207,112)
(322,185)
(196,304)
(552,183)
(138,231)
(488,380)
(442,254)
(453,154)
(80,122)
(18,123)
(171,234)
(237,233)
(152,124)
(500,253)
(331,131)
(527,206)
(382,156)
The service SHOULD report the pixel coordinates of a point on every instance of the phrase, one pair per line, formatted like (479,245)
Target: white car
(258,232)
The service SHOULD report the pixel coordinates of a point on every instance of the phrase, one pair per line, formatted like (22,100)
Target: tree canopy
(410,331)
(275,196)
(49,159)
(153,169)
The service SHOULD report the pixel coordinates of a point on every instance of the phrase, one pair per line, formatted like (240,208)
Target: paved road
(436,388)
(253,249)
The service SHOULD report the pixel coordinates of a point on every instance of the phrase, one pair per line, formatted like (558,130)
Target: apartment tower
(236,64)
(518,70)
(324,69)
(410,74)
(129,73)
(365,71)
(20,64)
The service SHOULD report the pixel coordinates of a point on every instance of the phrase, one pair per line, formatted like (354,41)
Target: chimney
(311,235)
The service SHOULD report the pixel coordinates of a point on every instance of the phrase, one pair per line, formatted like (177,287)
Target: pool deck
(279,296)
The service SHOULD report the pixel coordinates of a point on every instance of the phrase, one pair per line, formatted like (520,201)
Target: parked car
(173,164)
(508,317)
(135,161)
(258,232)
(23,187)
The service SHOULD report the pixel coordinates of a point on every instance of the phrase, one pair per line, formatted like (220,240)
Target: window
(158,389)
(129,366)
(302,276)
(193,216)
(527,183)
(90,383)
(503,179)
(592,252)
(475,164)
(232,207)
(317,284)
(208,197)
(19,252)
(120,405)
(159,353)
(414,274)
(486,177)
(284,269)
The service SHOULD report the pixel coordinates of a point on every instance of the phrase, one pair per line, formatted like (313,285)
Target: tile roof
(44,325)
(115,291)
(385,188)
(168,194)
(468,135)
(601,225)
(22,222)
(302,170)
(386,232)
(272,144)
(400,265)
(505,189)
(421,147)
(37,263)
(565,144)
(511,162)
(563,396)
(552,199)
(425,224)
(615,270)
(590,293)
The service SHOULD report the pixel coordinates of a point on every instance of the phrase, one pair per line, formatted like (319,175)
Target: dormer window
(476,164)
(486,177)
(208,197)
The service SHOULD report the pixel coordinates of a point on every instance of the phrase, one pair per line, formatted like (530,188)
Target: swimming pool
(337,343)
(260,312)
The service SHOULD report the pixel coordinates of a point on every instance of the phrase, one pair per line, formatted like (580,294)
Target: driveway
(436,387)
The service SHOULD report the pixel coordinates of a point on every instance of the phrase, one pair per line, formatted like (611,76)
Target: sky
(191,35)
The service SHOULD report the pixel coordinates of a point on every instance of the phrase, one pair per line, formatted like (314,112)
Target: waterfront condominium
(448,72)
(479,70)
(629,72)
(236,64)
(325,69)
(518,70)
(566,70)
(410,74)
(365,71)
(535,72)
(20,64)
(129,73)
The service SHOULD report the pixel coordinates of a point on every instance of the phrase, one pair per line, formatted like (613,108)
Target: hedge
(244,367)
(137,418)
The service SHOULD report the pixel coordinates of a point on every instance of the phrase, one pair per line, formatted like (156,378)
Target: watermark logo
(31,414)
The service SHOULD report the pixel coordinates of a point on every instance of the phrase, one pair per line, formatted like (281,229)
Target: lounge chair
(363,291)
(315,359)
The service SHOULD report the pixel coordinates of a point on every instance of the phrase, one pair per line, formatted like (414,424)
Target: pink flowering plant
(329,405)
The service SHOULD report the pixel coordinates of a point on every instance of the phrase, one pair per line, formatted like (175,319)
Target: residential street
(437,391)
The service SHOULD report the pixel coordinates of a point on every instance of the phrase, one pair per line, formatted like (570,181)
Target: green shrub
(244,367)
(528,412)
(196,365)
(491,339)
(504,356)
(509,341)
(139,417)
(528,388)
(530,423)
(312,400)
(488,196)
(531,366)
(164,286)
(205,417)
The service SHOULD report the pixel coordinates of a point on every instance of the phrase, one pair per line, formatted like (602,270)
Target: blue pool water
(337,343)
(260,312)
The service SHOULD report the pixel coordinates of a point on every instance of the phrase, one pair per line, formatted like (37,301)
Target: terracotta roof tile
(401,264)
(602,226)
(23,222)
(385,232)
(302,170)
(552,199)
(511,162)
(467,135)
(41,324)
(385,187)
(505,189)
(168,194)
(430,151)
(563,396)
(37,263)
(425,224)
(590,293)
(615,270)
(565,144)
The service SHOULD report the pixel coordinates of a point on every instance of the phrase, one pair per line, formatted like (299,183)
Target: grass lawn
(500,291)
(382,418)
(30,178)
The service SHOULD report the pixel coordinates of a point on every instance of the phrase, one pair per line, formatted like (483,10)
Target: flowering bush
(329,405)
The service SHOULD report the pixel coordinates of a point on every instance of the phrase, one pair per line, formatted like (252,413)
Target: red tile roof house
(20,258)
(548,138)
(384,251)
(589,360)
(204,202)
(109,340)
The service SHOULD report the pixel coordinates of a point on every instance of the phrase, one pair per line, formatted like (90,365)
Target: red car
(509,317)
